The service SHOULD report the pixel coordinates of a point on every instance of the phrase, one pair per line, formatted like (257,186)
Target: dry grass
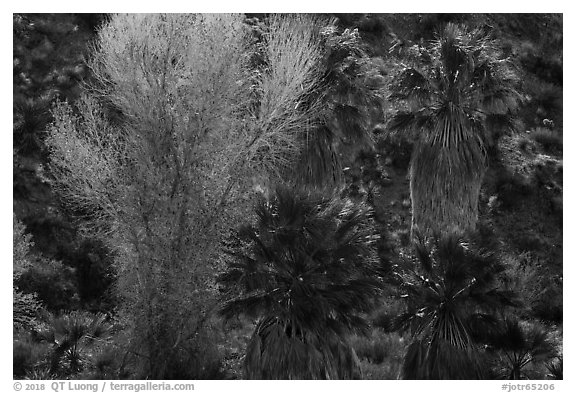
(380,354)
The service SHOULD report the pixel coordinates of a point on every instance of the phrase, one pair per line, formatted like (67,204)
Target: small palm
(520,345)
(452,294)
(70,334)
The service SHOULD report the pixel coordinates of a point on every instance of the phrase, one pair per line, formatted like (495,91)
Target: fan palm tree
(457,96)
(555,369)
(308,271)
(31,118)
(70,335)
(452,294)
(351,91)
(519,345)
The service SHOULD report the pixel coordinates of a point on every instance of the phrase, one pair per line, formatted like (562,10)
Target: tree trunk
(444,187)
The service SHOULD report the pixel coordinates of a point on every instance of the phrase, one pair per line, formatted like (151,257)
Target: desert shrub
(539,289)
(485,235)
(95,274)
(21,244)
(547,69)
(25,309)
(370,23)
(387,311)
(93,21)
(531,242)
(388,370)
(53,283)
(524,143)
(550,140)
(53,234)
(379,347)
(26,356)
(38,281)
(104,365)
(397,149)
(371,349)
(403,236)
(380,354)
(511,187)
(545,102)
(549,305)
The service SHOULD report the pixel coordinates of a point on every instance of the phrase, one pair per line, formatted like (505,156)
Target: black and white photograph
(286,196)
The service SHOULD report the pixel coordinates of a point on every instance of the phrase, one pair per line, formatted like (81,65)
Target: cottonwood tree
(160,154)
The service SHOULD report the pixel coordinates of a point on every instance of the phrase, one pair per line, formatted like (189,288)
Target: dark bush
(550,70)
(546,102)
(511,188)
(94,272)
(54,284)
(371,24)
(548,303)
(25,356)
(538,284)
(373,349)
(396,149)
(531,242)
(92,21)
(523,144)
(53,234)
(21,358)
(550,140)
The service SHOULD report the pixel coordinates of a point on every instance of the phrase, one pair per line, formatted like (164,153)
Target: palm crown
(351,87)
(521,345)
(309,271)
(452,294)
(457,96)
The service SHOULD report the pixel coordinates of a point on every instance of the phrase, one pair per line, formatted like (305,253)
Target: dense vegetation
(287,196)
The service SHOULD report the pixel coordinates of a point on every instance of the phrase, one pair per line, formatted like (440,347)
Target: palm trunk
(445,187)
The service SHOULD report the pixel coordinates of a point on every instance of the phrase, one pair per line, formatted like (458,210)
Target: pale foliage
(164,185)
(21,243)
(24,305)
(292,76)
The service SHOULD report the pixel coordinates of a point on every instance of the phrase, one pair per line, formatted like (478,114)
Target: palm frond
(310,272)
(457,97)
(555,369)
(452,296)
(279,350)
(411,84)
